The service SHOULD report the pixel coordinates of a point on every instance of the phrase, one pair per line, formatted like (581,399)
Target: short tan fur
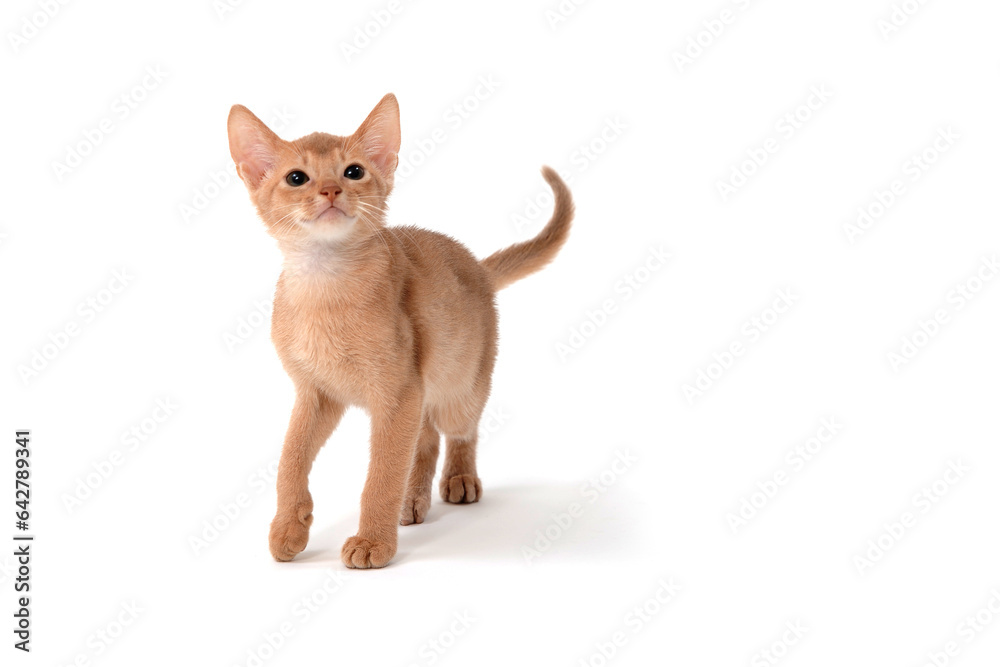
(400,321)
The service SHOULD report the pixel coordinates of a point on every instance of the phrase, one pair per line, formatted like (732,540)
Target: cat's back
(452,306)
(443,260)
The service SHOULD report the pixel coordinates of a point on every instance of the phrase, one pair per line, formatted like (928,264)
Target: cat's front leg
(314,417)
(394,436)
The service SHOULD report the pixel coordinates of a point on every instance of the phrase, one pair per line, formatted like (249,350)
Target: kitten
(400,321)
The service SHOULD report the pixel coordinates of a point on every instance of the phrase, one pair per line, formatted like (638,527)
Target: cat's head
(321,187)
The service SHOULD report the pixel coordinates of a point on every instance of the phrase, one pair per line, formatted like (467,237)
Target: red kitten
(400,321)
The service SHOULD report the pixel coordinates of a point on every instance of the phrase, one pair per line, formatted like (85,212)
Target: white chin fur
(336,230)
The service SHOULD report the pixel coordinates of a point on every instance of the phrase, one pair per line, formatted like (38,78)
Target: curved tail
(521,259)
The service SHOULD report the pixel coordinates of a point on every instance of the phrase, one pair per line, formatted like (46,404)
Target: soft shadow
(509,518)
(498,528)
(324,544)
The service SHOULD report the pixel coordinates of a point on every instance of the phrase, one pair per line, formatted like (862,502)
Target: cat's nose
(331,191)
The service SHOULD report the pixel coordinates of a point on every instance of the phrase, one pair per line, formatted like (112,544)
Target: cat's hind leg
(417,499)
(456,410)
(459,481)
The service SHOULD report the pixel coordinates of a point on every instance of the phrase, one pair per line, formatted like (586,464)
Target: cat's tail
(521,259)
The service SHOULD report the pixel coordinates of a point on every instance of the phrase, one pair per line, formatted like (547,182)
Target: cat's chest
(330,340)
(311,326)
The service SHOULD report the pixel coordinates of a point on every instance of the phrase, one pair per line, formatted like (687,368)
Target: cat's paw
(289,534)
(415,508)
(461,489)
(362,553)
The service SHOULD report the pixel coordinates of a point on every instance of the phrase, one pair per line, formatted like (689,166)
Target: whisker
(378,233)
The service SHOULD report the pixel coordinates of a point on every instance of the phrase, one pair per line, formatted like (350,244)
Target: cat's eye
(296,178)
(354,172)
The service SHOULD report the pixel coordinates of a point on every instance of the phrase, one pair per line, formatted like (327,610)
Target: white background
(660,136)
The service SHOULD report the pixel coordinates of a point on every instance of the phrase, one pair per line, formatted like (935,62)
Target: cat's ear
(252,144)
(378,136)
